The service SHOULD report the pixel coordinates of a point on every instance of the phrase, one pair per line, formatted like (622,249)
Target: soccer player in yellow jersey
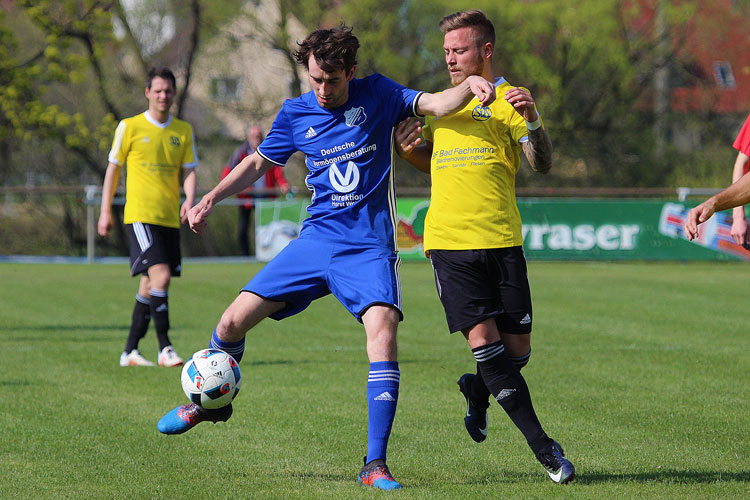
(157,150)
(473,231)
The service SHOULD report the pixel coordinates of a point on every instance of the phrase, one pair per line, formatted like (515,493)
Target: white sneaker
(134,359)
(168,357)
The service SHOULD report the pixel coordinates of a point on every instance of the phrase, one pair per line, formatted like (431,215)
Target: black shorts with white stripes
(151,245)
(475,285)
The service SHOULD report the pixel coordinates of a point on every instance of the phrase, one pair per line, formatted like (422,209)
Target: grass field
(640,370)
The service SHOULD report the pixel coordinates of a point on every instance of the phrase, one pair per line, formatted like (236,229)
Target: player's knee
(521,361)
(230,327)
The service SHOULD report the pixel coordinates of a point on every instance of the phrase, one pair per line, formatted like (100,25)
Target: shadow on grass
(588,477)
(667,476)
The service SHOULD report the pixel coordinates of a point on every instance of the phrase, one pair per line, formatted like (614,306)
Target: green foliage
(55,60)
(634,385)
(66,79)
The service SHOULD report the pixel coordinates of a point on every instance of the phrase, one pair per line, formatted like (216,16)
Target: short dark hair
(484,31)
(334,49)
(161,72)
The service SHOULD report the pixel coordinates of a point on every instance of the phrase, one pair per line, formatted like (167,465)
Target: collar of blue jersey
(154,121)
(499,81)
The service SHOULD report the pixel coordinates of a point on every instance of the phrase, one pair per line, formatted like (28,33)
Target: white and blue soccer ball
(211,378)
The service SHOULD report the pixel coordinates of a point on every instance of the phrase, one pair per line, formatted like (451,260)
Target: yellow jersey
(154,154)
(475,157)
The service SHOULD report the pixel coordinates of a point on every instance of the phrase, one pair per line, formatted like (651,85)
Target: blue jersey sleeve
(279,144)
(401,99)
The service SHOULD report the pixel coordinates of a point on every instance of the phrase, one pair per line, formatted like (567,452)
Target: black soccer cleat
(558,467)
(476,417)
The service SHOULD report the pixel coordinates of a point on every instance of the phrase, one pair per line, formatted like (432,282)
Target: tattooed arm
(538,149)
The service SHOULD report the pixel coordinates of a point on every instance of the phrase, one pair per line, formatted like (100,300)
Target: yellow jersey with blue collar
(154,154)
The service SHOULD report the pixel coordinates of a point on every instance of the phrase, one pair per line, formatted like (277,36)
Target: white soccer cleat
(134,358)
(168,357)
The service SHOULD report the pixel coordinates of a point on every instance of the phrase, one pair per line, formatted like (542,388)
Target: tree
(71,56)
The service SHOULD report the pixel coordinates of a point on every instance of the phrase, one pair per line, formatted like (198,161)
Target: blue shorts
(308,269)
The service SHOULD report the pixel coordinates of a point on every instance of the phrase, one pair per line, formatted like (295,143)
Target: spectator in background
(260,188)
(741,164)
(157,150)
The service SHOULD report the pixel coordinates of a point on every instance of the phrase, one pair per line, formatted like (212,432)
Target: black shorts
(151,245)
(475,285)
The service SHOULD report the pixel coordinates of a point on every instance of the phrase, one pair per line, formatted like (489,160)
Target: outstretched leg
(245,312)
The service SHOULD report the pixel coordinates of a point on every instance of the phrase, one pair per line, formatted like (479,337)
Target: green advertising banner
(553,229)
(596,229)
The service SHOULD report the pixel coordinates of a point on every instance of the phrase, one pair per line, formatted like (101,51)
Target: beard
(467,69)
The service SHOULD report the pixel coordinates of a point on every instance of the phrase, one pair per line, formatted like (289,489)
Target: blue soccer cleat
(185,417)
(476,417)
(558,467)
(377,475)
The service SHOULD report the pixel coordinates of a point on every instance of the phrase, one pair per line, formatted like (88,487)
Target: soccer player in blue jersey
(347,246)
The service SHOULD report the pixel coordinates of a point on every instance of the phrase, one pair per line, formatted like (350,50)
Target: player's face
(463,55)
(254,136)
(330,89)
(160,96)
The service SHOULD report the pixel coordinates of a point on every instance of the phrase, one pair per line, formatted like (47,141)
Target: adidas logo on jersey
(310,133)
(526,320)
(145,139)
(386,396)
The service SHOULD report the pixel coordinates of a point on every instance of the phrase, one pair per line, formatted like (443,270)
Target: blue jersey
(349,154)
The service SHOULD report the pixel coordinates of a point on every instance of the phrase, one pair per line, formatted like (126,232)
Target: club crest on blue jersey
(355,116)
(481,113)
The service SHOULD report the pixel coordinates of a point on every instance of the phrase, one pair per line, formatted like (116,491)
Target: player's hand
(407,136)
(523,103)
(482,89)
(184,209)
(198,214)
(105,224)
(739,230)
(696,216)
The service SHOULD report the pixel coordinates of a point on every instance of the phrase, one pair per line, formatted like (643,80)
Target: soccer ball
(211,378)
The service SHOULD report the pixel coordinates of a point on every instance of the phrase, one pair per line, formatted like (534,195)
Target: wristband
(534,125)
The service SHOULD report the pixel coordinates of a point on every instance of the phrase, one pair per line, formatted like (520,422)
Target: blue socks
(382,396)
(235,349)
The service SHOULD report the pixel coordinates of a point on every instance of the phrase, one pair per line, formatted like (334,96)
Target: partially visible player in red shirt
(741,166)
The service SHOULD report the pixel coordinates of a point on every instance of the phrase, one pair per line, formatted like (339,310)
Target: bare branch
(195,8)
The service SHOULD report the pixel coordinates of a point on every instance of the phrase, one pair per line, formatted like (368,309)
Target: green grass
(640,371)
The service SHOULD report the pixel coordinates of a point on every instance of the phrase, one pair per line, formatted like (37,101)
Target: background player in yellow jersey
(473,231)
(157,150)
